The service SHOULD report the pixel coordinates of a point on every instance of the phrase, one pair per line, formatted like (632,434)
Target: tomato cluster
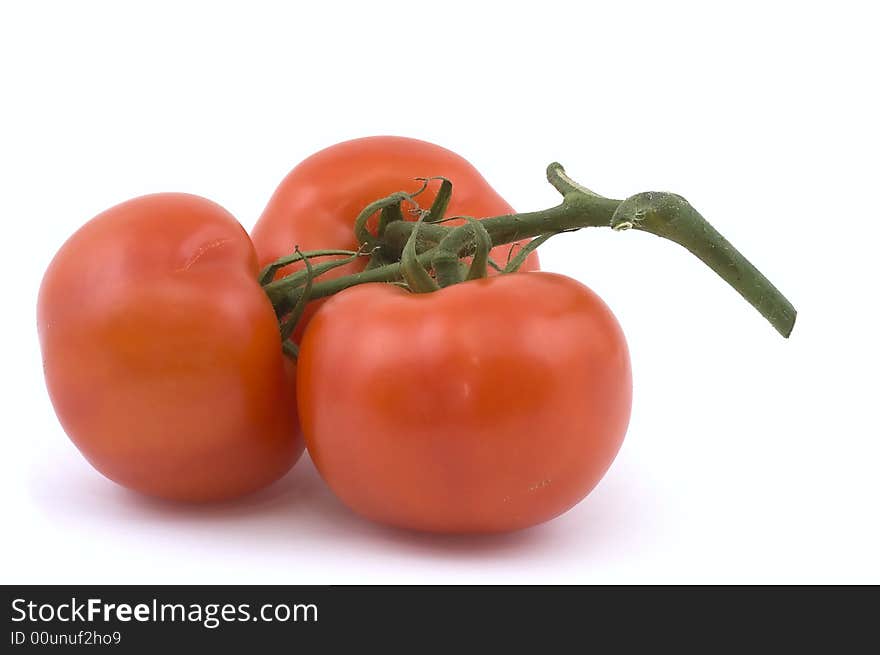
(489,405)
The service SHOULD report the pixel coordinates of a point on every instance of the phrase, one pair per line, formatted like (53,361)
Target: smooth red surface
(162,354)
(487,406)
(316,205)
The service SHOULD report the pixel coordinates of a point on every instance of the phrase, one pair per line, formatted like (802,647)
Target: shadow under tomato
(300,504)
(300,509)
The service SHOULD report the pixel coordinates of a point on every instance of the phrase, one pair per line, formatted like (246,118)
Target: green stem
(363,235)
(483,244)
(389,214)
(441,201)
(268,273)
(417,277)
(560,180)
(447,268)
(575,212)
(672,217)
(288,325)
(663,214)
(514,264)
(305,277)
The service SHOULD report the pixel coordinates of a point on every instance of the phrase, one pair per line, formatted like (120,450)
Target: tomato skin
(316,205)
(162,353)
(488,406)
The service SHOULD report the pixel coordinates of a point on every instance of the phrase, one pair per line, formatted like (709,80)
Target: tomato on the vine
(487,406)
(315,206)
(162,354)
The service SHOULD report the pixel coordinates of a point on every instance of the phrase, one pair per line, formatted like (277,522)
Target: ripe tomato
(162,354)
(487,406)
(316,205)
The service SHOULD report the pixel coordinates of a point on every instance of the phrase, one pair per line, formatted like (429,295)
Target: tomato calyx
(425,255)
(417,276)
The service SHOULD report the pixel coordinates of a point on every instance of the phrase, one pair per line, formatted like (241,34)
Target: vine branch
(663,214)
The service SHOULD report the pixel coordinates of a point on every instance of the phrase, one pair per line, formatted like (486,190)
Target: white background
(749,458)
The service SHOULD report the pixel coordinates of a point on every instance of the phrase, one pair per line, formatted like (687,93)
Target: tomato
(162,354)
(487,406)
(316,205)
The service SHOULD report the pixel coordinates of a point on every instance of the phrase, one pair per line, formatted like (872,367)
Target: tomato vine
(426,254)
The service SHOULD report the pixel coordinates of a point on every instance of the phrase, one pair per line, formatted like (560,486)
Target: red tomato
(162,353)
(487,406)
(315,206)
